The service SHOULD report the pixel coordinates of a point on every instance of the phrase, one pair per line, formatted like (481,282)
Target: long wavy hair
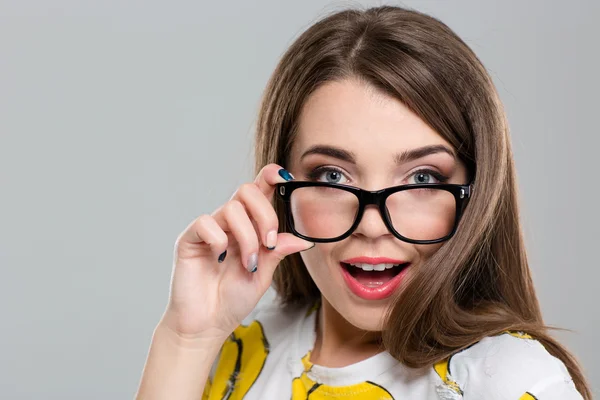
(478,283)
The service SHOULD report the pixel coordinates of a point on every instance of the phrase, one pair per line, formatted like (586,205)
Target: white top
(267,357)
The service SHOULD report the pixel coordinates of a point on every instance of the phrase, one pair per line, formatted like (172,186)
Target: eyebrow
(399,158)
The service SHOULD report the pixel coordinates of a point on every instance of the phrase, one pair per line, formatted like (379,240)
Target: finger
(203,229)
(268,177)
(236,221)
(260,211)
(286,244)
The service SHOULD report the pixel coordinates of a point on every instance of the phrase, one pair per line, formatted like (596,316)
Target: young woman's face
(369,131)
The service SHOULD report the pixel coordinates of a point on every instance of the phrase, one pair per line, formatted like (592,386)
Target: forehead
(361,119)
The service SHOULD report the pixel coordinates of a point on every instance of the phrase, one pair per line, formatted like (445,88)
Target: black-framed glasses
(325,212)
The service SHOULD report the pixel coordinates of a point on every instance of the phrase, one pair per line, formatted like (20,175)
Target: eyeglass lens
(418,214)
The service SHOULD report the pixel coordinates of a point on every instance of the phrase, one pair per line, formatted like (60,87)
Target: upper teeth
(374,267)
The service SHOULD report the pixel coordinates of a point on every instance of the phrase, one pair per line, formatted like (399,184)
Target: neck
(339,343)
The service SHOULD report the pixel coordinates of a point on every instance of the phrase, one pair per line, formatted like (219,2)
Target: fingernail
(252,262)
(222,256)
(285,174)
(271,240)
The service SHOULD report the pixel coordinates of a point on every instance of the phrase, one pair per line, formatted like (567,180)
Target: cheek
(422,214)
(316,262)
(323,213)
(427,250)
(312,220)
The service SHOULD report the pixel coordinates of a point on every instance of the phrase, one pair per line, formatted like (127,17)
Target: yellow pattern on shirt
(527,396)
(242,358)
(303,386)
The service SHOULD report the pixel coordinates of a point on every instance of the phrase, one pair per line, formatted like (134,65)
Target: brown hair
(478,283)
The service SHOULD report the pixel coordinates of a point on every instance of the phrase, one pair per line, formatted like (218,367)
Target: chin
(366,317)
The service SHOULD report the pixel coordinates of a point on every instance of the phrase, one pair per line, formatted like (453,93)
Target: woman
(393,242)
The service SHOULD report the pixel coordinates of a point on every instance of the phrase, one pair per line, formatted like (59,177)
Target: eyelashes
(316,173)
(319,171)
(437,175)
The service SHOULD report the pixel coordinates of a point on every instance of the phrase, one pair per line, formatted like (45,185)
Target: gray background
(121,121)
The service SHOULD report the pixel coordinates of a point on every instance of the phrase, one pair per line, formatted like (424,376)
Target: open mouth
(373,276)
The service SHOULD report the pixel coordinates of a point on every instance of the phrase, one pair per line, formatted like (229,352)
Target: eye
(428,176)
(331,175)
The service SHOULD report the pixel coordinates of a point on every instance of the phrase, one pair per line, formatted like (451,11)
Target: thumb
(286,244)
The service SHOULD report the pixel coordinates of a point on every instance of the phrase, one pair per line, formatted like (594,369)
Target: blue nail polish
(222,256)
(285,175)
(255,268)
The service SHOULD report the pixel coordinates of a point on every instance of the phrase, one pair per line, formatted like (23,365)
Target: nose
(371,224)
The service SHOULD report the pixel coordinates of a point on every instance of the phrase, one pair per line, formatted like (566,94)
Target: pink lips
(373,293)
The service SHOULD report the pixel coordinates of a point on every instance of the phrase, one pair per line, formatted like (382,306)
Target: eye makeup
(432,161)
(318,172)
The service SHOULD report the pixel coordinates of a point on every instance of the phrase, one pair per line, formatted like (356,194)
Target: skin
(355,117)
(210,295)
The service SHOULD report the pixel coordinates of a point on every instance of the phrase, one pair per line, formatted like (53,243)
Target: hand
(210,298)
